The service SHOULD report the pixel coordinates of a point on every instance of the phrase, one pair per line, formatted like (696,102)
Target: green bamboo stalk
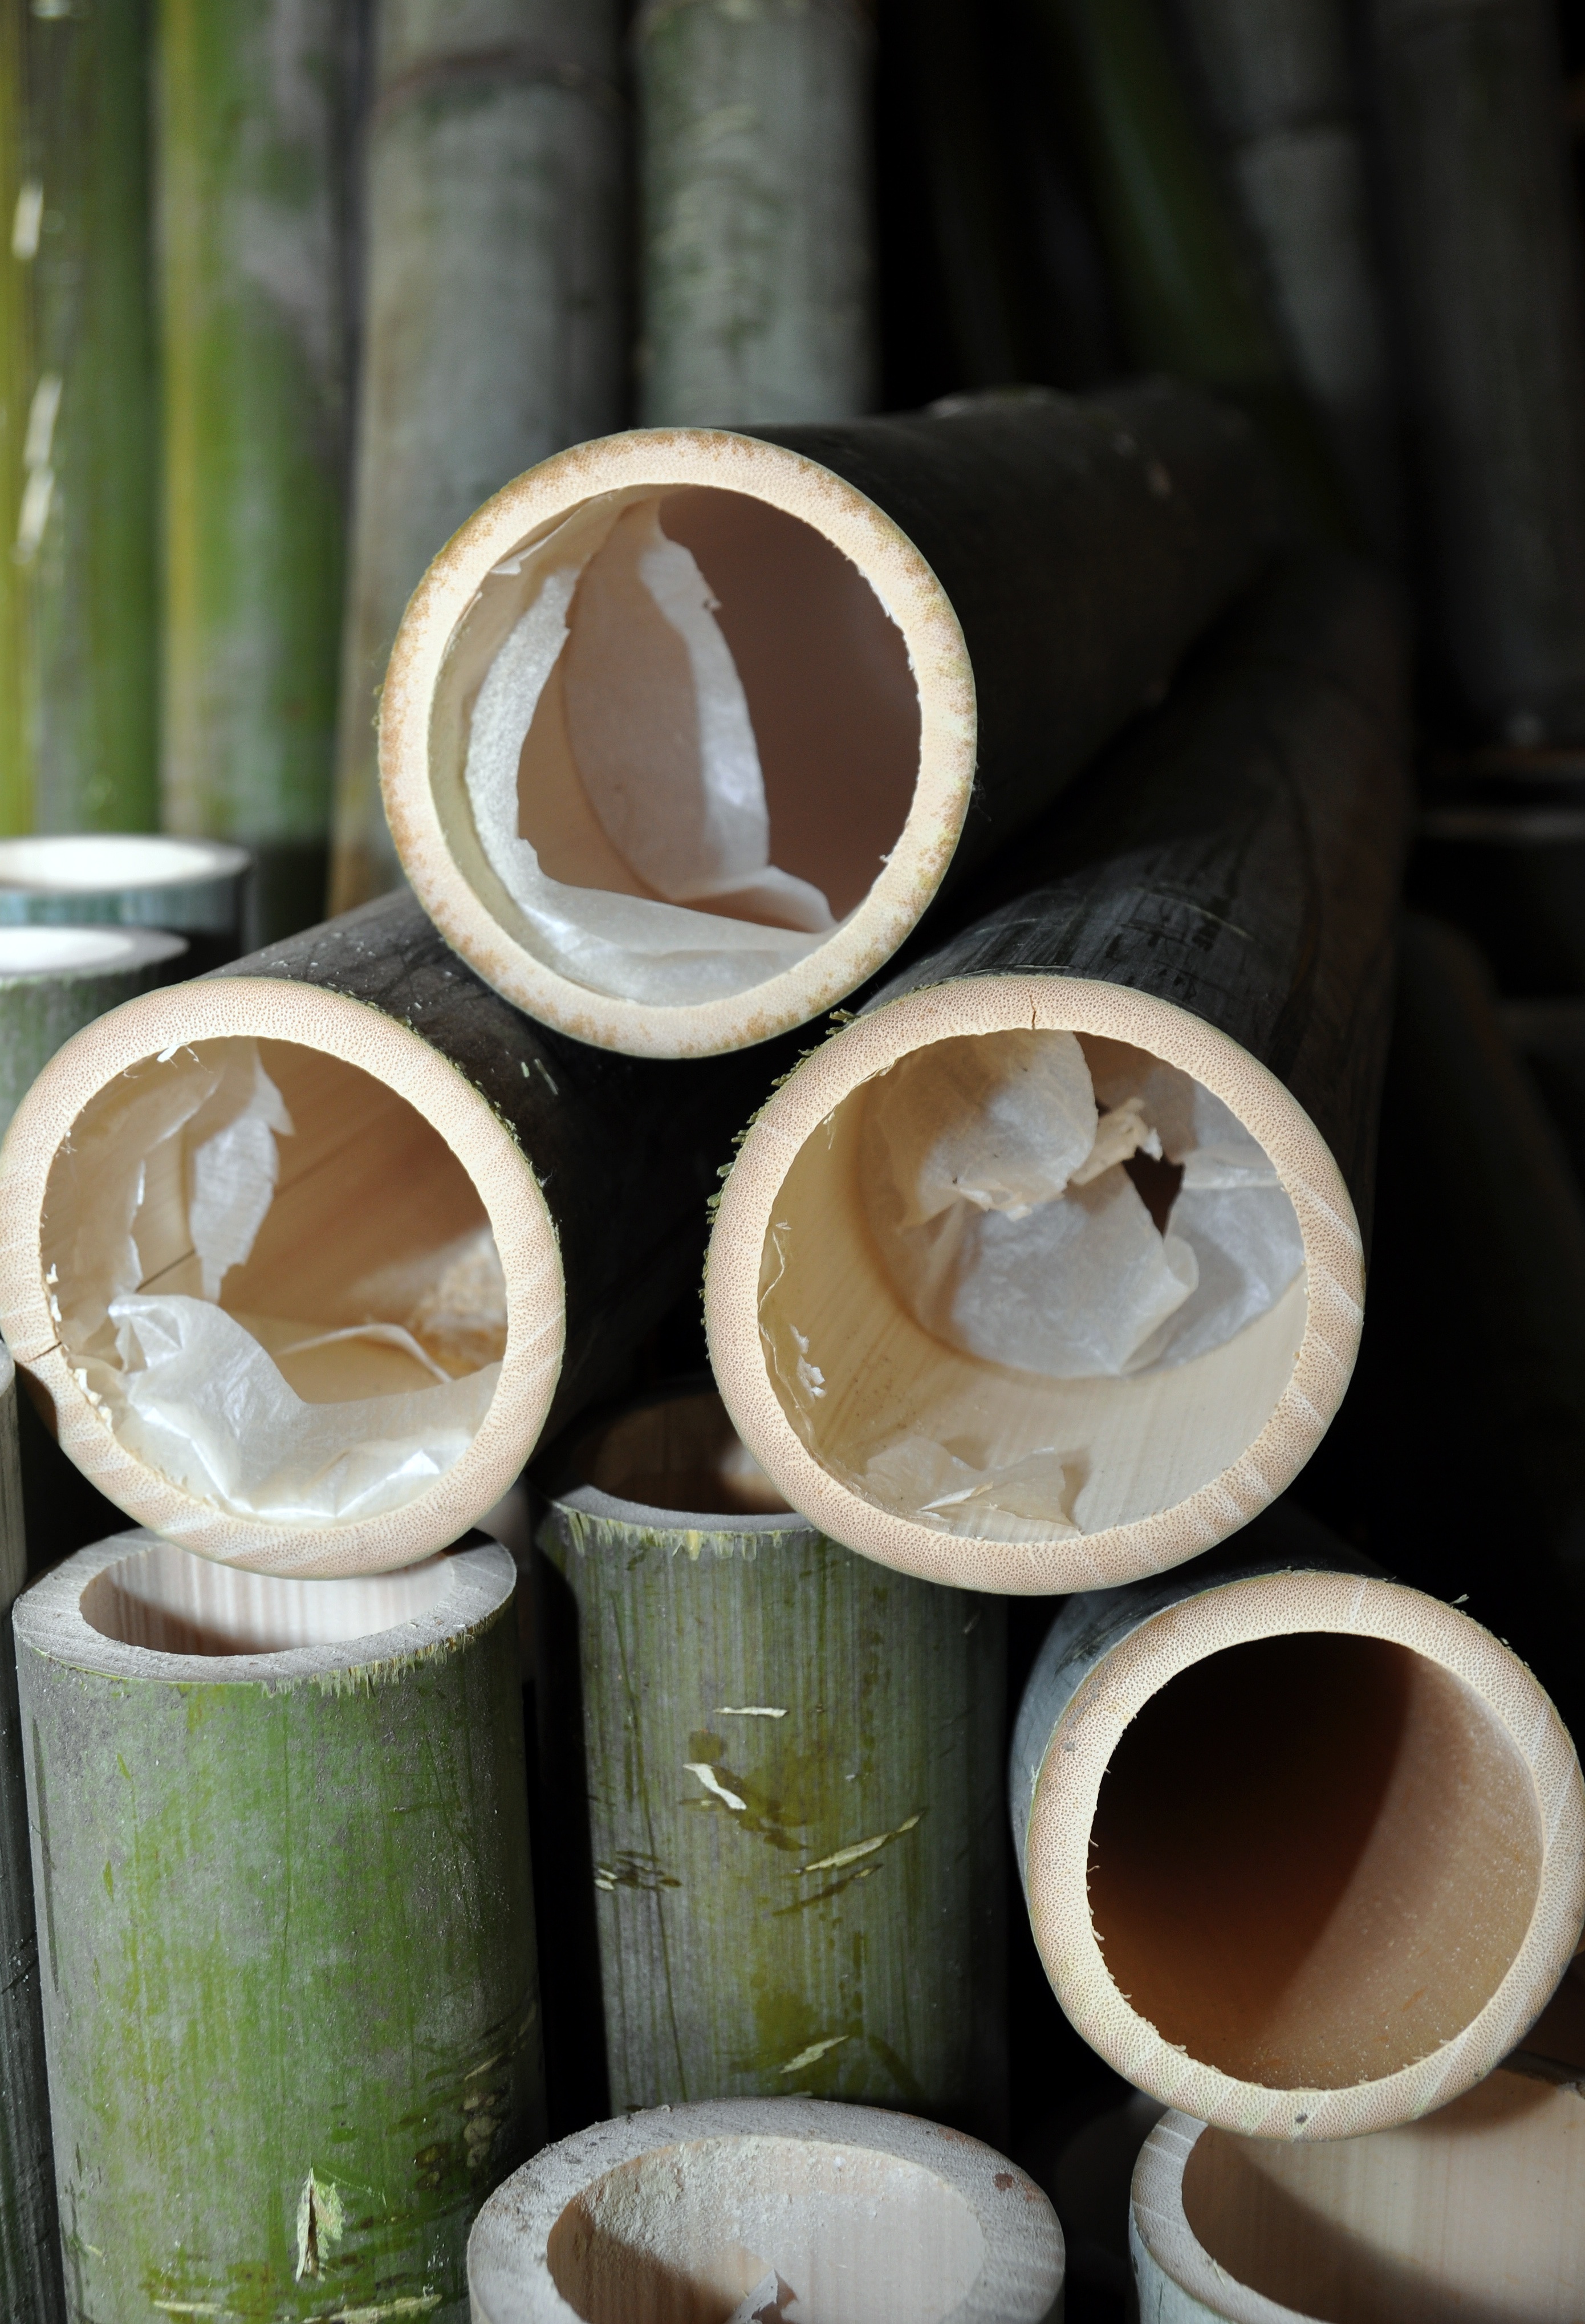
(792,1760)
(128,879)
(54,981)
(251,123)
(15,390)
(87,537)
(494,324)
(1188,297)
(290,2006)
(757,249)
(31,2290)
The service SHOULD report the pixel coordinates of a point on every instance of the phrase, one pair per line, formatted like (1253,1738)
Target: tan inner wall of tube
(170,1602)
(825,669)
(681,1454)
(681,2235)
(1314,1860)
(1473,2212)
(1141,1444)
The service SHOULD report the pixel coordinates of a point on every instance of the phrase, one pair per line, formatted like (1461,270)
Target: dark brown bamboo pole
(494,324)
(1487,251)
(934,620)
(792,1828)
(1295,1927)
(1219,896)
(782,2206)
(497,1193)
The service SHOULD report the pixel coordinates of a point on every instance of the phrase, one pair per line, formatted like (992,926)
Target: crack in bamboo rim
(1064,1811)
(314,1018)
(509,2269)
(479,1583)
(890,1030)
(524,512)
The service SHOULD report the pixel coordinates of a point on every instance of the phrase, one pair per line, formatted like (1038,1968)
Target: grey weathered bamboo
(934,620)
(455,1170)
(78,426)
(131,879)
(1221,896)
(791,1764)
(494,328)
(282,1854)
(1297,1927)
(783,2206)
(1487,230)
(54,981)
(252,121)
(1280,86)
(31,2290)
(1473,2212)
(757,239)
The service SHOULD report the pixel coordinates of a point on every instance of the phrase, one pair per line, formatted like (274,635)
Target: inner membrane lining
(711,2230)
(691,742)
(1027,1284)
(274,1280)
(170,1602)
(1314,1860)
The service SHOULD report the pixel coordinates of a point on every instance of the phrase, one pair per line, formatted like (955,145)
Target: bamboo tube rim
(317,1019)
(509,2275)
(869,1045)
(1063,1814)
(82,863)
(59,952)
(636,463)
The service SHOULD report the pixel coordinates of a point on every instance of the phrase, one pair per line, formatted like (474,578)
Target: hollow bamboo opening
(1473,2211)
(1334,1902)
(168,1601)
(710,2230)
(659,746)
(679,1453)
(1021,1283)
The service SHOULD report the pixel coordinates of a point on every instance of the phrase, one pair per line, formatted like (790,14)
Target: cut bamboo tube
(31,2291)
(291,2005)
(54,981)
(1279,89)
(1474,2212)
(131,879)
(1221,900)
(78,441)
(251,131)
(457,1188)
(493,323)
(1053,559)
(1487,233)
(1298,1929)
(757,237)
(757,2208)
(795,1841)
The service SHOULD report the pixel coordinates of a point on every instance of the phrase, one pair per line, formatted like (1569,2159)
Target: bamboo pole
(493,331)
(1048,562)
(1488,245)
(290,2004)
(982,1410)
(1190,302)
(31,2290)
(54,981)
(1473,2211)
(1279,90)
(408,1184)
(1331,1933)
(251,123)
(192,887)
(843,2210)
(758,241)
(16,385)
(795,1840)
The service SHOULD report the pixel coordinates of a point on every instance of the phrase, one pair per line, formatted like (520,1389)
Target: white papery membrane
(200,1393)
(994,1181)
(657,727)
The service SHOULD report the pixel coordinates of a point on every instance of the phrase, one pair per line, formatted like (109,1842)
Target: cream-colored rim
(1334,1282)
(1159,2222)
(272,1008)
(661,459)
(1067,1791)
